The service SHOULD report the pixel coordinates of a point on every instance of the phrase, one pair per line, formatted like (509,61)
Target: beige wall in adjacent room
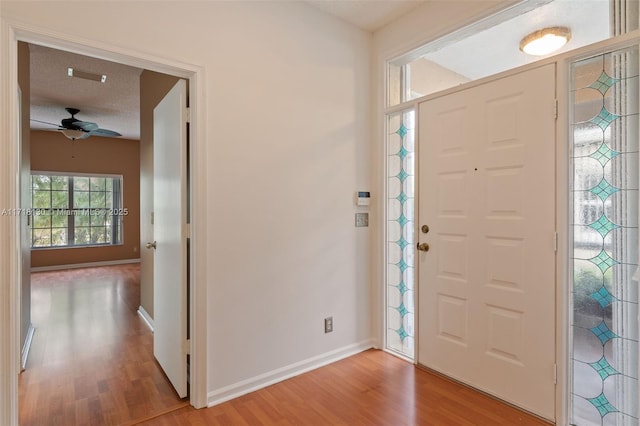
(153,87)
(53,152)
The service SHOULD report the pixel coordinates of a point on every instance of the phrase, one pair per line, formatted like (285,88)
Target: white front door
(487,193)
(170,225)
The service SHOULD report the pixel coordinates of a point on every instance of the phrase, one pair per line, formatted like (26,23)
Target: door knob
(151,245)
(423,246)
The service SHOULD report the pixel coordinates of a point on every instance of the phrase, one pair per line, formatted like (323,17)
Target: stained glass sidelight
(604,321)
(400,241)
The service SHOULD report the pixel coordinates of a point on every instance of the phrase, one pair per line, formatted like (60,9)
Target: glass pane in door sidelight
(604,320)
(399,235)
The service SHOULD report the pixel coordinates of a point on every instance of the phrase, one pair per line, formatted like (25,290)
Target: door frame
(563,62)
(10,34)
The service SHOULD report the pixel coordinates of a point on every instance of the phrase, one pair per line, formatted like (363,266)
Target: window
(70,211)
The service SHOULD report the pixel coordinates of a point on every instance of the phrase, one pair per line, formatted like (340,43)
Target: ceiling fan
(76,129)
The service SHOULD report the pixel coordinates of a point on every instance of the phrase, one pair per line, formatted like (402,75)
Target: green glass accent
(402,153)
(402,333)
(402,265)
(604,189)
(402,175)
(604,118)
(402,131)
(402,220)
(603,332)
(602,404)
(603,83)
(402,310)
(604,154)
(402,243)
(402,197)
(603,368)
(603,226)
(603,261)
(603,297)
(402,288)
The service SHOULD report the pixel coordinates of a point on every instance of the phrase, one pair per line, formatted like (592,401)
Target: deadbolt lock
(424,229)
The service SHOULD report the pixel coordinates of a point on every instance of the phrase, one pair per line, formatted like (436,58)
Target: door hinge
(555,374)
(187,230)
(555,108)
(187,114)
(186,347)
(555,242)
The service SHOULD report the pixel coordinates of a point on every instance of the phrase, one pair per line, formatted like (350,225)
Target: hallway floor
(91,363)
(91,360)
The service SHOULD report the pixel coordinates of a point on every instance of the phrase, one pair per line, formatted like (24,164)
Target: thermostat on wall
(363,198)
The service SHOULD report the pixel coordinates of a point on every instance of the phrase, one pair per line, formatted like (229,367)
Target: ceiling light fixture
(545,41)
(72,134)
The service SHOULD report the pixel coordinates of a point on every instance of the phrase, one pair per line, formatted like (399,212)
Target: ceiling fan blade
(105,132)
(87,126)
(45,122)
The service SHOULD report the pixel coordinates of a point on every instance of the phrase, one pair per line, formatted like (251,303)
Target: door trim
(10,33)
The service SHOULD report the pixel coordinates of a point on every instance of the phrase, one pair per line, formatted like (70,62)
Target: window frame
(115,212)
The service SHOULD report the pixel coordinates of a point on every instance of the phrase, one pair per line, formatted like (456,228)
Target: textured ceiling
(113,105)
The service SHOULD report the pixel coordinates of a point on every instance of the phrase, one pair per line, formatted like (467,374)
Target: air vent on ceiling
(86,75)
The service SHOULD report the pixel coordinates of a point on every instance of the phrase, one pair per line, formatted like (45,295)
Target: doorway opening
(197,396)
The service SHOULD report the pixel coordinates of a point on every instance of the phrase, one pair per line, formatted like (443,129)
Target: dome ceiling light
(545,41)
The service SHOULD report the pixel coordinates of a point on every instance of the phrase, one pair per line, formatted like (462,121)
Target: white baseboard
(26,346)
(250,385)
(84,265)
(146,317)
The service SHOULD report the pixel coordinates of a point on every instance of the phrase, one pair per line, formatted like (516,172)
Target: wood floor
(91,363)
(91,360)
(371,388)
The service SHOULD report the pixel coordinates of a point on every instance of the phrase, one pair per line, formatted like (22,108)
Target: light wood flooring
(91,360)
(91,364)
(371,388)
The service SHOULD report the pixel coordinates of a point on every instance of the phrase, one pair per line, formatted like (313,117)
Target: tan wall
(52,151)
(25,196)
(153,87)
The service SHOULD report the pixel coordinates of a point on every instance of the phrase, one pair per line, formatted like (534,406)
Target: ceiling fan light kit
(73,134)
(545,41)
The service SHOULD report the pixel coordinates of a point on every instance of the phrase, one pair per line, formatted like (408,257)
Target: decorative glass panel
(400,241)
(604,325)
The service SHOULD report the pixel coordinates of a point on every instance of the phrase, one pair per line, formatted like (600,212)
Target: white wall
(287,98)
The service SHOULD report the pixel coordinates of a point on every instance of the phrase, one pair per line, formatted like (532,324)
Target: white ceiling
(496,49)
(369,15)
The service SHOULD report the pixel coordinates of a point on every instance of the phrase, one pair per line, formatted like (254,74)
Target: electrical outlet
(328,324)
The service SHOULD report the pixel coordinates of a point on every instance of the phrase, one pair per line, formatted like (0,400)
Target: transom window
(79,210)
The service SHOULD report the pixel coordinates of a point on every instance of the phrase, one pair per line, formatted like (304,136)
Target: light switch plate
(362,220)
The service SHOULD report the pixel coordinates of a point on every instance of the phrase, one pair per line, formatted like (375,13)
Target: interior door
(170,225)
(487,194)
